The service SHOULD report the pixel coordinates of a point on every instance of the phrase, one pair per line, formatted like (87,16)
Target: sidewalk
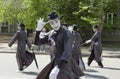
(107,52)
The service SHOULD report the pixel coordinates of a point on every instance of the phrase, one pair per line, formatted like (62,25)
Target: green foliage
(35,9)
(27,11)
(93,11)
(66,8)
(10,11)
(111,6)
(85,13)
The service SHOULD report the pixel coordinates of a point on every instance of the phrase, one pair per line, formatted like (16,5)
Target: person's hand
(54,73)
(70,28)
(31,48)
(40,24)
(88,41)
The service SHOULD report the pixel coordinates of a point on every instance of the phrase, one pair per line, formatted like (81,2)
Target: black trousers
(92,57)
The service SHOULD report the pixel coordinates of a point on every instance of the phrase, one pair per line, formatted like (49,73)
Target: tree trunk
(102,22)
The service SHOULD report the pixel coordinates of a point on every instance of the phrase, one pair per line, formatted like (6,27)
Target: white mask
(55,24)
(18,28)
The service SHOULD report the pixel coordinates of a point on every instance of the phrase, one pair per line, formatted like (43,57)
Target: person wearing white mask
(62,66)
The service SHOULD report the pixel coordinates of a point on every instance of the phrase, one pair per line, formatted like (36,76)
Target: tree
(66,9)
(95,10)
(34,10)
(27,11)
(85,13)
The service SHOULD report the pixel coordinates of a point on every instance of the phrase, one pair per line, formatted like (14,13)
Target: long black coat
(21,54)
(36,38)
(63,44)
(96,46)
(76,49)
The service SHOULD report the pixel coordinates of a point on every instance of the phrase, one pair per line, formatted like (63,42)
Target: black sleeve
(67,53)
(61,64)
(36,38)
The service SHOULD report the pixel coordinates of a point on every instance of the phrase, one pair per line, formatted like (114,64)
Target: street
(9,69)
(65,31)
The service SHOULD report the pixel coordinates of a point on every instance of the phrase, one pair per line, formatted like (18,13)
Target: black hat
(96,27)
(22,26)
(75,27)
(65,24)
(53,16)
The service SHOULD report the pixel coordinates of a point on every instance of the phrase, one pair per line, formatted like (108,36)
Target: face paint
(94,29)
(55,24)
(18,28)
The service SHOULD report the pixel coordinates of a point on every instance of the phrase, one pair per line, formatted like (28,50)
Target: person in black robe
(63,65)
(96,47)
(76,48)
(24,58)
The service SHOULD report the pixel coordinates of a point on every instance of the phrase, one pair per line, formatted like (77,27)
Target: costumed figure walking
(96,47)
(24,58)
(76,48)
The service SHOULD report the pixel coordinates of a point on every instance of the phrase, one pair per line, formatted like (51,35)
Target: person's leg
(41,48)
(19,62)
(81,64)
(44,48)
(91,58)
(100,64)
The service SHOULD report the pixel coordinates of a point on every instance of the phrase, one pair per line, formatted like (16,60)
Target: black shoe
(100,64)
(21,69)
(88,63)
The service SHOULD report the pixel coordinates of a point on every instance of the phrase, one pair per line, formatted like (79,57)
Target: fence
(112,36)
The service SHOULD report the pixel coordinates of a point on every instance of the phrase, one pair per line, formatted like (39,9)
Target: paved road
(8,68)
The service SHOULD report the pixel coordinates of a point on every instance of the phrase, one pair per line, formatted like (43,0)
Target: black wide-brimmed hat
(75,27)
(22,25)
(96,27)
(53,16)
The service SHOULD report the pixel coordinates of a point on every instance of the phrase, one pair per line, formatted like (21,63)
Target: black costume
(24,58)
(96,49)
(63,58)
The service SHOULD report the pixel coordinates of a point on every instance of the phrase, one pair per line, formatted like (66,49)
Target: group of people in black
(65,42)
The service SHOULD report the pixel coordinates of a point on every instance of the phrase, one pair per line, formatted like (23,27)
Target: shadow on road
(95,76)
(103,68)
(112,68)
(30,73)
(90,70)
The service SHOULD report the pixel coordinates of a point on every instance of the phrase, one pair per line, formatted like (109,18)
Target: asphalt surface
(9,69)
